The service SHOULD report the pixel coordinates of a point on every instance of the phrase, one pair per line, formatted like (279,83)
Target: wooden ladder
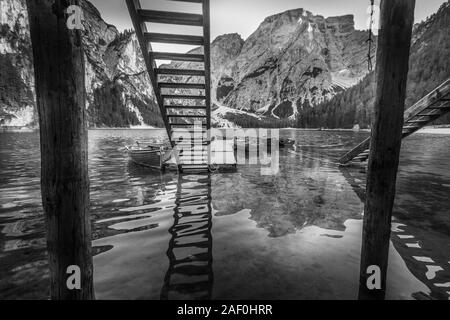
(430,108)
(190,273)
(185,106)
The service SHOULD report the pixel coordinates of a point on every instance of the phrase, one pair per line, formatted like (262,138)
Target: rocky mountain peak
(233,38)
(295,57)
(226,48)
(341,24)
(117,84)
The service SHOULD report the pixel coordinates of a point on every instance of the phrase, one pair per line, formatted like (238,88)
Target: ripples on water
(232,235)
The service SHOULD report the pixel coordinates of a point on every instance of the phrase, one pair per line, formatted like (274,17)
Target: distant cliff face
(292,63)
(296,57)
(429,67)
(293,58)
(17,106)
(117,84)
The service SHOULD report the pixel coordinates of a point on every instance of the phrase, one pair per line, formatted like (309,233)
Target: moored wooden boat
(149,155)
(286,142)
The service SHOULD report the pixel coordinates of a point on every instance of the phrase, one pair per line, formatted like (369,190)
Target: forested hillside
(429,67)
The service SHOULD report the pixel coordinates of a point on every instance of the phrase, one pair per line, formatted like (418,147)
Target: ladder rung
(180,72)
(198,157)
(174,38)
(186,125)
(411,127)
(193,1)
(174,96)
(190,139)
(418,121)
(186,107)
(194,148)
(439,106)
(186,116)
(428,115)
(179,18)
(199,165)
(189,143)
(177,56)
(185,144)
(169,85)
(193,155)
(199,162)
(178,135)
(204,167)
(184,130)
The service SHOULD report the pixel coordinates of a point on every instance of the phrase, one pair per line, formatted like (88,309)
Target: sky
(244,16)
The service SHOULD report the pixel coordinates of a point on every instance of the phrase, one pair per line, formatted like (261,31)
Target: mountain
(296,70)
(293,58)
(17,107)
(296,57)
(429,67)
(117,84)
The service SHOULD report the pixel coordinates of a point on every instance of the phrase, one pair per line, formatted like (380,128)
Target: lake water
(296,235)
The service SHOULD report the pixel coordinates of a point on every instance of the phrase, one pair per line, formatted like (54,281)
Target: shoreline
(441,130)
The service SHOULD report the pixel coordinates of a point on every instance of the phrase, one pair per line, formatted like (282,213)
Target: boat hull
(147,158)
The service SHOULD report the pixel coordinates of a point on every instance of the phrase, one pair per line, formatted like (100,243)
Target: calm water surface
(296,235)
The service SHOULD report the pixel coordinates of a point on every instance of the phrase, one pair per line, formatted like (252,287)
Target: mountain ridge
(117,86)
(296,69)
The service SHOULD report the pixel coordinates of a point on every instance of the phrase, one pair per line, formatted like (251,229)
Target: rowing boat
(149,155)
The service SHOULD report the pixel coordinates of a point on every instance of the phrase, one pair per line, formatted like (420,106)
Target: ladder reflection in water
(190,272)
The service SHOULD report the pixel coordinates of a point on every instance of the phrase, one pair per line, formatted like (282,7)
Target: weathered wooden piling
(60,90)
(394,42)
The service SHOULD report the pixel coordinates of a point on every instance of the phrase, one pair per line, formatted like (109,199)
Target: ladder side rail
(439,96)
(207,67)
(445,105)
(355,151)
(140,28)
(429,100)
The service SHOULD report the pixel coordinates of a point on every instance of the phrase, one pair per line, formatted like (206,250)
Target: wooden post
(60,90)
(394,42)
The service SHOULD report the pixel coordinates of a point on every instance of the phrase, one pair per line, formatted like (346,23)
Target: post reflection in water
(190,272)
(423,259)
